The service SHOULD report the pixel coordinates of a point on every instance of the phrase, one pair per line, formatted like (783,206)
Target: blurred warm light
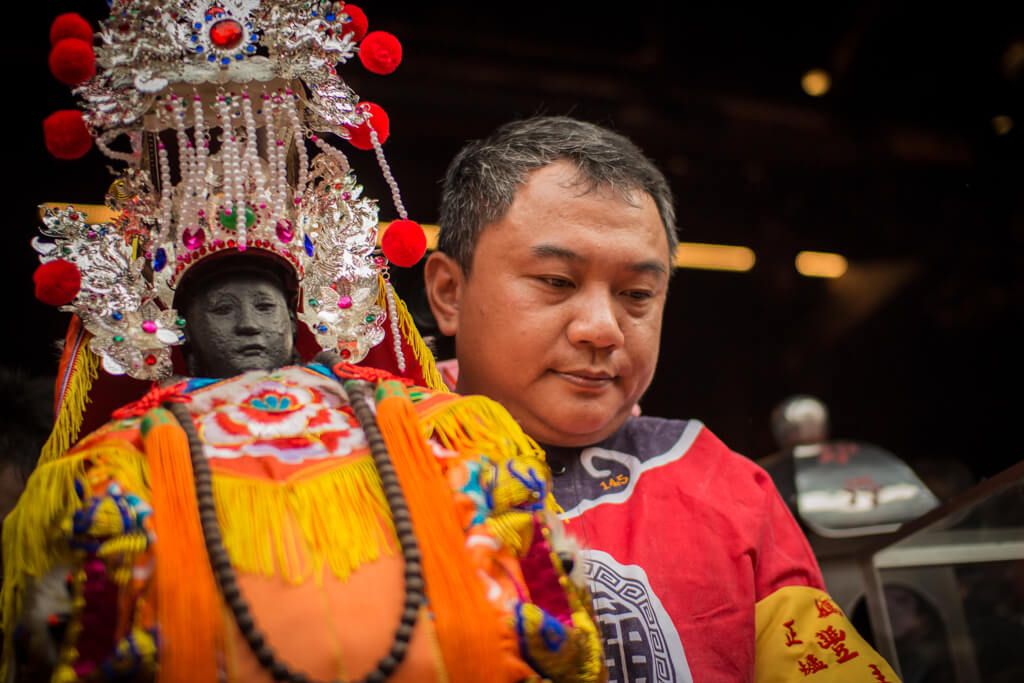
(1013,60)
(1002,124)
(816,82)
(94,213)
(715,257)
(820,264)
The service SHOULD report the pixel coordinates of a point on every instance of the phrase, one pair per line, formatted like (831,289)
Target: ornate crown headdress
(216,108)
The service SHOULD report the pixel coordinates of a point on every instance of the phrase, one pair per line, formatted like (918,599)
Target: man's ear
(445,282)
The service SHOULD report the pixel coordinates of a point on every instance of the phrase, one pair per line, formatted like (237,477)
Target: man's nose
(595,321)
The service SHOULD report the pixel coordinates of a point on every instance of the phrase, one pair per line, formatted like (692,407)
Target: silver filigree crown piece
(215,108)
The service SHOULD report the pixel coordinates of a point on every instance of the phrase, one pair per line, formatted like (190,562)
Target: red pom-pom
(70,25)
(66,135)
(72,61)
(404,243)
(375,117)
(380,52)
(57,282)
(357,23)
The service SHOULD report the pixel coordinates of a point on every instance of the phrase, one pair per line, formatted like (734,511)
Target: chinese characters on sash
(830,638)
(877,673)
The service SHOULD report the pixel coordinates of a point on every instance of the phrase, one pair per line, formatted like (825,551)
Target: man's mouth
(586,378)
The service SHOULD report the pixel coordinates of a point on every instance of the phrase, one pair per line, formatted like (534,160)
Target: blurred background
(888,133)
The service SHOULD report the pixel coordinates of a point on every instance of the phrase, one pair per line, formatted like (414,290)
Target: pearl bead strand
(300,145)
(252,155)
(227,182)
(186,163)
(198,195)
(389,293)
(274,154)
(385,169)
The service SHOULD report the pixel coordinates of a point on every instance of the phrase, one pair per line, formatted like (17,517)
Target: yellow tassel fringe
(274,529)
(35,536)
(84,371)
(292,531)
(477,425)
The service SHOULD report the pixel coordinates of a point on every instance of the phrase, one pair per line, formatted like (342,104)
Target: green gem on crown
(230,220)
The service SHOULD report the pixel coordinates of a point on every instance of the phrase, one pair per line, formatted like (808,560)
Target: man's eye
(557,282)
(639,295)
(265,306)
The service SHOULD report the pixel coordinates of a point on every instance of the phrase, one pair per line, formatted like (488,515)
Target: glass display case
(945,594)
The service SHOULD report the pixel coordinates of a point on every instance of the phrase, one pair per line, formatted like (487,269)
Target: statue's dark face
(240,322)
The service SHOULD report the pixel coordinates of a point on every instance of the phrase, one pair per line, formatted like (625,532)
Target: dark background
(898,167)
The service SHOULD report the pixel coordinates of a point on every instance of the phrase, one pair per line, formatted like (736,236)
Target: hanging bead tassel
(396,335)
(274,152)
(251,160)
(197,197)
(300,145)
(166,206)
(226,144)
(186,168)
(385,169)
(239,177)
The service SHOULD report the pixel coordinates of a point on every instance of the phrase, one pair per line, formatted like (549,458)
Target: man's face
(239,323)
(560,317)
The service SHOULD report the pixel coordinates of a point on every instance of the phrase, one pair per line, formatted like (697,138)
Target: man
(552,269)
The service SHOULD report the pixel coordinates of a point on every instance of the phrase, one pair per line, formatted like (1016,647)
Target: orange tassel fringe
(188,604)
(464,620)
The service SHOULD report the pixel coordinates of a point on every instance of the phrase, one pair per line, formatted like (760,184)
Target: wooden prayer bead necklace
(225,573)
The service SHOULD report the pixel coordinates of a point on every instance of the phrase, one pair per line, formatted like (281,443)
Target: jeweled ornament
(226,34)
(284,230)
(230,220)
(193,240)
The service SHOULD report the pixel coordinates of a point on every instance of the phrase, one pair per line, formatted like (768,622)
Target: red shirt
(682,538)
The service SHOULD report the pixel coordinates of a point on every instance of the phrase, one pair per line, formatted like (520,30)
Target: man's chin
(577,431)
